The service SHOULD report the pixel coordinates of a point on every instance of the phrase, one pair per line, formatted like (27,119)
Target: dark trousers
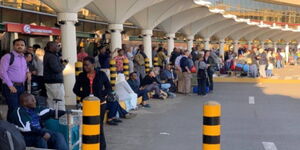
(12,99)
(57,141)
(211,82)
(114,108)
(153,87)
(144,94)
(202,86)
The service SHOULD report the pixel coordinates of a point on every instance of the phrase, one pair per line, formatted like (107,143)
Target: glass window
(48,21)
(30,18)
(11,16)
(89,27)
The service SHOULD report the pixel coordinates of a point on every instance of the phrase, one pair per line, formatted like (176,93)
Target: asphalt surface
(176,124)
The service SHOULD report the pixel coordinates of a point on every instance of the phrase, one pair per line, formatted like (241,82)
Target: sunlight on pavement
(291,90)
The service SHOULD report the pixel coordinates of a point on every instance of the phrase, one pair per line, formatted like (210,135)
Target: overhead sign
(31,29)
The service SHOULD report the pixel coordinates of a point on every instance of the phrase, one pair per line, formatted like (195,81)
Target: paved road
(175,124)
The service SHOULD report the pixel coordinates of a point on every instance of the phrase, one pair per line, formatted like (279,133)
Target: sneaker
(130,115)
(146,106)
(112,123)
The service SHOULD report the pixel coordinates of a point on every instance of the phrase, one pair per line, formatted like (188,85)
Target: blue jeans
(56,141)
(12,99)
(144,94)
(114,108)
(165,86)
(269,73)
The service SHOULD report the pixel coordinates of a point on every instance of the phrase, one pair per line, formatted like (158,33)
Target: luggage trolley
(73,121)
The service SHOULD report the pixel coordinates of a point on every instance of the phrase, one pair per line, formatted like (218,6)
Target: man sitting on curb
(28,119)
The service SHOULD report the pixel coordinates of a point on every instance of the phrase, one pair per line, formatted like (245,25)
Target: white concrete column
(287,51)
(13,36)
(275,46)
(236,46)
(116,37)
(298,46)
(68,41)
(249,45)
(262,43)
(171,43)
(222,43)
(206,43)
(147,41)
(51,38)
(190,42)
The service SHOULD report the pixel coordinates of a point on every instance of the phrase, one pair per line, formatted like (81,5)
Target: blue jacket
(23,120)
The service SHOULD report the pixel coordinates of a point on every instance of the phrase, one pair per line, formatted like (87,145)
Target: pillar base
(147,41)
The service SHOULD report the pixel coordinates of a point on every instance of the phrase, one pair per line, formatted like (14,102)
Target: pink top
(81,56)
(119,62)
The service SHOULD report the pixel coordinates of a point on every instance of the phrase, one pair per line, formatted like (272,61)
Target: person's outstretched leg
(57,141)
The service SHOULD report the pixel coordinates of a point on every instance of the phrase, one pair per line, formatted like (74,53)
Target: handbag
(112,97)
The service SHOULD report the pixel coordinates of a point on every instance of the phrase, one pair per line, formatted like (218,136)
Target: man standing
(53,75)
(139,62)
(13,72)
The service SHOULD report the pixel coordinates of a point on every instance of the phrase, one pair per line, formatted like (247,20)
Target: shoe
(112,122)
(117,120)
(130,115)
(146,106)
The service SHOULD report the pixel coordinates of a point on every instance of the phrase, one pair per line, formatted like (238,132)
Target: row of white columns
(69,45)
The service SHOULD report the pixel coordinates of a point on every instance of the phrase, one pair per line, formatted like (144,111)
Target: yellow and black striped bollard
(155,62)
(126,68)
(78,70)
(91,123)
(147,65)
(113,74)
(211,126)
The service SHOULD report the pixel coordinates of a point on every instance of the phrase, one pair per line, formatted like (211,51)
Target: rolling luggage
(10,137)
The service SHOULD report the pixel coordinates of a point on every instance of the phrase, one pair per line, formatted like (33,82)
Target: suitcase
(69,125)
(10,137)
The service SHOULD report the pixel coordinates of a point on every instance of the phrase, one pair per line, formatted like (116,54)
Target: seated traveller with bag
(28,118)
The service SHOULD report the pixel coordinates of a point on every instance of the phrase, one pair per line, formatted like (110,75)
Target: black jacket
(53,68)
(212,68)
(149,80)
(101,85)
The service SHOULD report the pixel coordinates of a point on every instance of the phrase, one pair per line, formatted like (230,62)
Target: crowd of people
(259,62)
(30,73)
(42,70)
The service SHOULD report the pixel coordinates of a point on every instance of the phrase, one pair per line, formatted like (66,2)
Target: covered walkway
(190,17)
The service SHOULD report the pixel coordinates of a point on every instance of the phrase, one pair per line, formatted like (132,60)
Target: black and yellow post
(91,123)
(78,70)
(147,65)
(126,68)
(211,126)
(113,74)
(155,62)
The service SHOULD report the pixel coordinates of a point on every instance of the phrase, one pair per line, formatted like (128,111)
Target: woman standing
(202,76)
(100,88)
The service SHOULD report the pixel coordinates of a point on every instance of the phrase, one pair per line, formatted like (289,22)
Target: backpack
(10,137)
(11,59)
